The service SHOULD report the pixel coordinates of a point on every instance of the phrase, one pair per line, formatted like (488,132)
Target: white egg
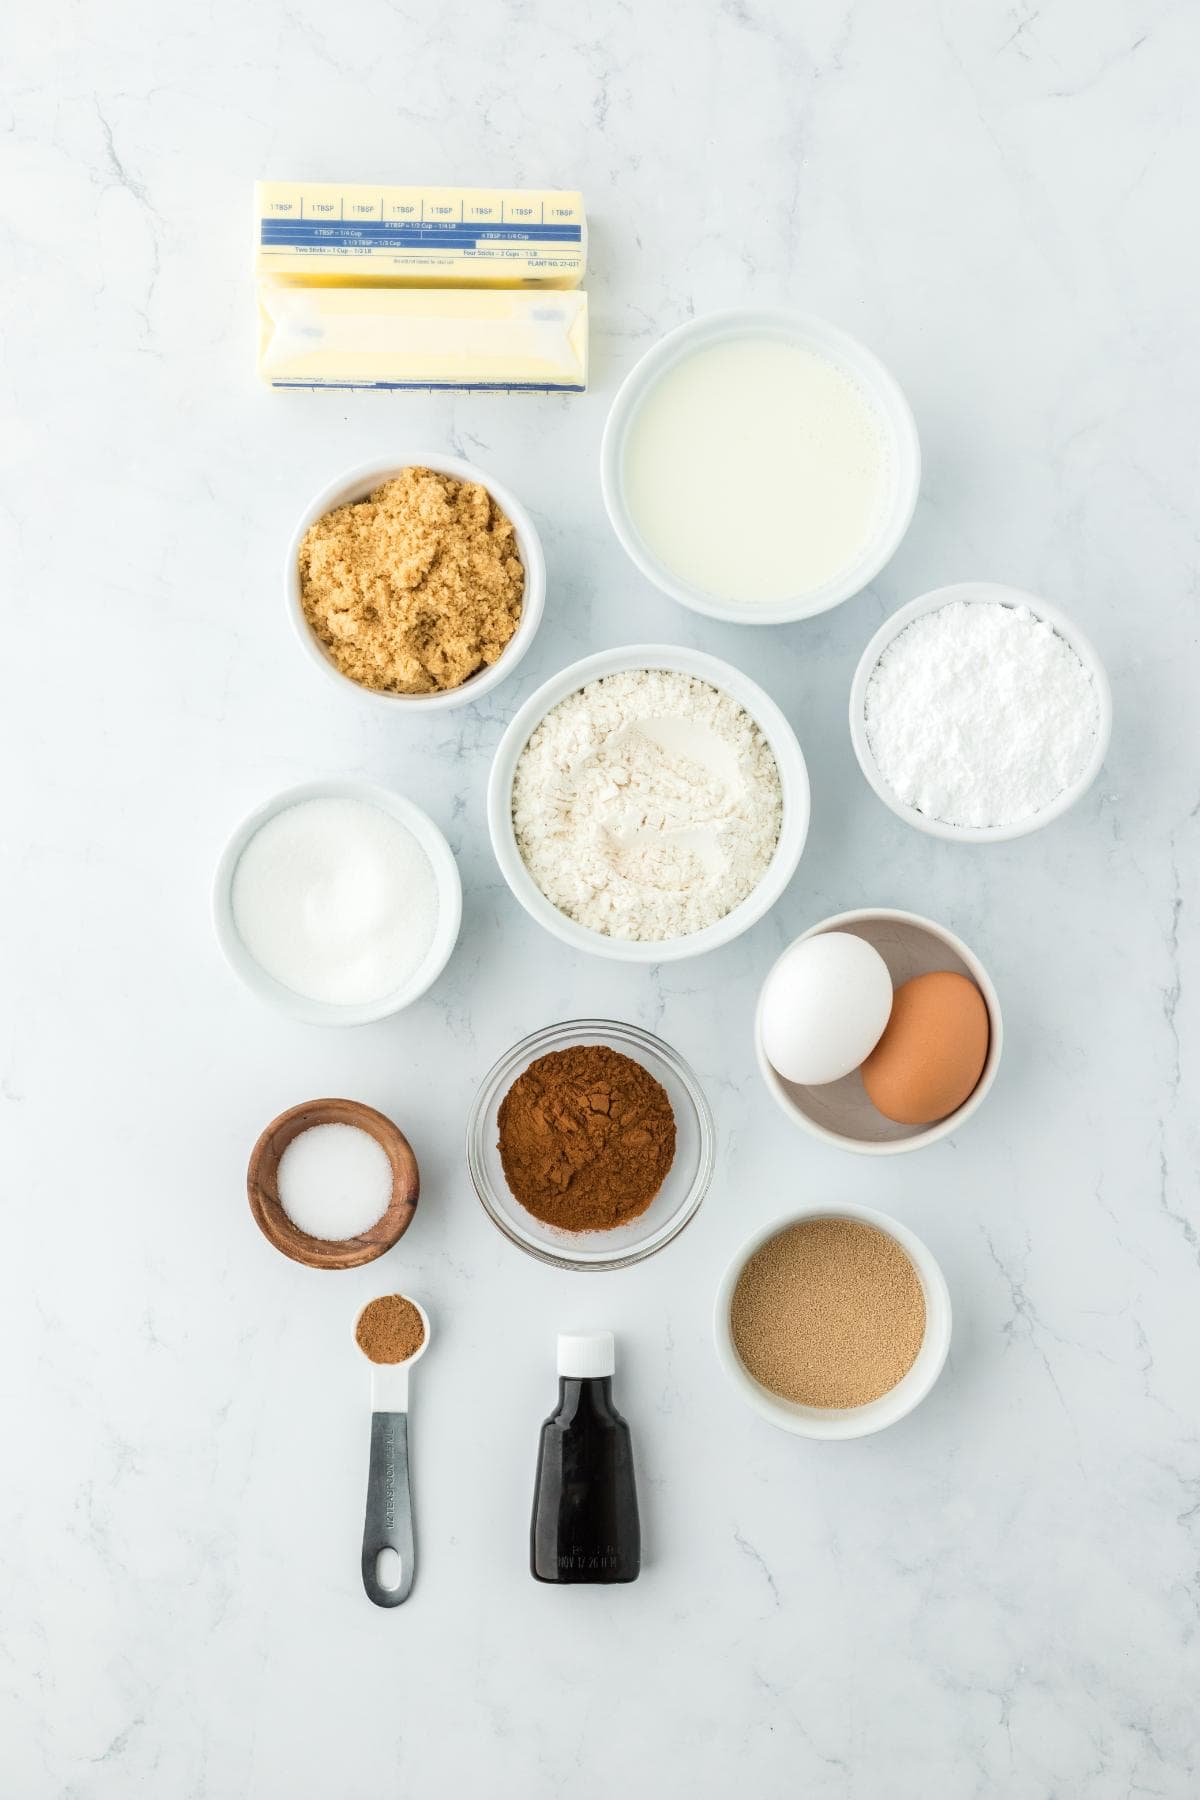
(824,1007)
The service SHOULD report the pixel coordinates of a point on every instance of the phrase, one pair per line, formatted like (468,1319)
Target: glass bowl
(676,1201)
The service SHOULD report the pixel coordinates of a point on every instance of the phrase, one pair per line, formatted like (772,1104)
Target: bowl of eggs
(879,1031)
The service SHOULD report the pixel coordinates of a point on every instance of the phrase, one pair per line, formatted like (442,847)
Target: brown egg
(932,1051)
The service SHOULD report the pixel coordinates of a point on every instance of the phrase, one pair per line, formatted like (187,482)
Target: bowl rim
(841,1424)
(546,1038)
(789,760)
(846,921)
(355,484)
(815,331)
(283,1234)
(995,593)
(445,871)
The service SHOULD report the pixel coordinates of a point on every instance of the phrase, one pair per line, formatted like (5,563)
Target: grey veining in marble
(1001,1597)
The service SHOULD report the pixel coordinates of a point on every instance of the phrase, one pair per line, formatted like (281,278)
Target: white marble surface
(1002,1595)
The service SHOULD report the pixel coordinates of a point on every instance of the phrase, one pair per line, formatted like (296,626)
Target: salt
(336,900)
(334,1182)
(980,714)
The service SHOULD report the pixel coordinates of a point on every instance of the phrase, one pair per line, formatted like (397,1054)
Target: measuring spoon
(388,1555)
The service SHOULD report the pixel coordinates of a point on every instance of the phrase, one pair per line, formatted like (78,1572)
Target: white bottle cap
(584,1353)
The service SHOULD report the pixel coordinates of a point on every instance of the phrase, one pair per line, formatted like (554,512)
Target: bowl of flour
(648,804)
(980,713)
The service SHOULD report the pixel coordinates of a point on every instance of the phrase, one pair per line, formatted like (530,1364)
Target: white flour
(647,805)
(980,714)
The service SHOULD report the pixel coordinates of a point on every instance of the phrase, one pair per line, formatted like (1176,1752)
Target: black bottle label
(580,1559)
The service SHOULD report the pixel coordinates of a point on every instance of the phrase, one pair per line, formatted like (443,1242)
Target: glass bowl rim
(545,1039)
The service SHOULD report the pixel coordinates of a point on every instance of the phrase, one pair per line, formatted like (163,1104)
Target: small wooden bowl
(262,1185)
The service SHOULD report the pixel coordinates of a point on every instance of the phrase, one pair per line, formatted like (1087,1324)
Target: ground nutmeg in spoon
(389,1329)
(587,1138)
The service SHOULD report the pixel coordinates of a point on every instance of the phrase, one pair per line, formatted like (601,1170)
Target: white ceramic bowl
(839,1111)
(673,1207)
(356,484)
(789,759)
(851,1421)
(810,334)
(449,890)
(1004,596)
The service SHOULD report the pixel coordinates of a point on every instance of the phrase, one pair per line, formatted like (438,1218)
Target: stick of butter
(322,232)
(421,337)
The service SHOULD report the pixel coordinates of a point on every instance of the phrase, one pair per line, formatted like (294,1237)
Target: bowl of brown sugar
(417,584)
(590,1144)
(833,1322)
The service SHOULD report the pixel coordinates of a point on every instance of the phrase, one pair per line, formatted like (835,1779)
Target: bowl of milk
(760,466)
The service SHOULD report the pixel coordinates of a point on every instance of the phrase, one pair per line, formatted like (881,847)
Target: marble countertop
(1001,1596)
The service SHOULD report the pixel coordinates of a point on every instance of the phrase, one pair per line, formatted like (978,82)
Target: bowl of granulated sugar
(833,1322)
(338,902)
(980,713)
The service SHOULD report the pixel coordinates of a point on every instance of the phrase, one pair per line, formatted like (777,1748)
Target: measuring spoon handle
(389,1522)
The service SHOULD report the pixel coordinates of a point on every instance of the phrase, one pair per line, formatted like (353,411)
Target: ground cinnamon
(389,1329)
(587,1138)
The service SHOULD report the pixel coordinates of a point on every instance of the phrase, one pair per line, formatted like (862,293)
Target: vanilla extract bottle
(585,1512)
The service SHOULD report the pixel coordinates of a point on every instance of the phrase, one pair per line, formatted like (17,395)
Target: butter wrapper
(422,338)
(325,233)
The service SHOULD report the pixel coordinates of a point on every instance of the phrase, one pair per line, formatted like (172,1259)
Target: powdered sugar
(980,714)
(647,805)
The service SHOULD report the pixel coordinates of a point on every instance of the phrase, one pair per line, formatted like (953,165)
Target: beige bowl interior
(908,948)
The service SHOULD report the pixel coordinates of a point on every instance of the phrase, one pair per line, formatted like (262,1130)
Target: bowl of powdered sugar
(648,803)
(980,713)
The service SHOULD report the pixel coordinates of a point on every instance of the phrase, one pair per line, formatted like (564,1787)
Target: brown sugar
(829,1312)
(389,1329)
(587,1138)
(416,588)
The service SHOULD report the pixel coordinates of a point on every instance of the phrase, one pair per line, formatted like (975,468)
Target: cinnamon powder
(587,1138)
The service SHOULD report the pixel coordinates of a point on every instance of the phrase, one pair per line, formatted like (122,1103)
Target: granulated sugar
(980,714)
(337,900)
(829,1312)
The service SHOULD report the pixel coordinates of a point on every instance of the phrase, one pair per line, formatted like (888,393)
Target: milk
(756,470)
